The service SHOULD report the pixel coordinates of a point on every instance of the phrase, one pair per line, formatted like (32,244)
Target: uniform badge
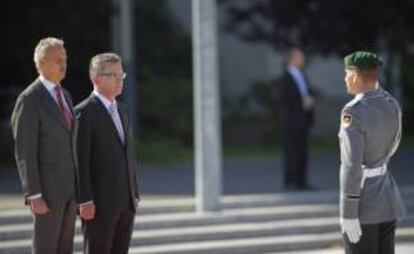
(346,121)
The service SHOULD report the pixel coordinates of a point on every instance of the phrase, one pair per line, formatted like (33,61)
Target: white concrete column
(208,150)
(122,23)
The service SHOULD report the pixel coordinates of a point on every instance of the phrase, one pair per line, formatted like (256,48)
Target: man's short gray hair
(97,64)
(43,46)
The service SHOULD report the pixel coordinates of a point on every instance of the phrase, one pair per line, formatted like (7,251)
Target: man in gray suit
(370,132)
(44,130)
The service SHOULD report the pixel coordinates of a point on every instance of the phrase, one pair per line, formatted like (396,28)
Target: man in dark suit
(296,118)
(44,130)
(107,164)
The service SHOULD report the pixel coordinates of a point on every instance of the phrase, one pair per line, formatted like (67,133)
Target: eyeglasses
(114,75)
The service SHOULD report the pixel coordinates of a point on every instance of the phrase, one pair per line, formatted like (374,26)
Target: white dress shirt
(299,80)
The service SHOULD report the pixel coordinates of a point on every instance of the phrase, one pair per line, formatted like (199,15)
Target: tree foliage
(164,74)
(83,25)
(323,26)
(334,27)
(163,55)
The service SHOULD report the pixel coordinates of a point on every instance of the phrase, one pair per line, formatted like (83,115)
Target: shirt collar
(104,100)
(359,96)
(374,92)
(50,86)
(294,70)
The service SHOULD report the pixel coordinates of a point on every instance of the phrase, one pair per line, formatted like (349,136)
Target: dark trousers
(375,239)
(295,146)
(53,232)
(108,234)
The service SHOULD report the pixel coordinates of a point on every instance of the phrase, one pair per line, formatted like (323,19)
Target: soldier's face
(351,81)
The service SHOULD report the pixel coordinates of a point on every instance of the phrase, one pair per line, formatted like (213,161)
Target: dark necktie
(65,111)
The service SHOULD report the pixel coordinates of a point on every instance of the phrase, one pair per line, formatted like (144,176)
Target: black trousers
(375,239)
(295,146)
(108,234)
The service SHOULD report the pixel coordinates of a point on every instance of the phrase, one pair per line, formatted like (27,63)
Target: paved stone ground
(260,175)
(240,176)
(401,248)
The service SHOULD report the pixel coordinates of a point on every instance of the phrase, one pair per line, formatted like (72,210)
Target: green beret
(362,60)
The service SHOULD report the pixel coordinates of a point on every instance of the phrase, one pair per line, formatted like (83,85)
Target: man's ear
(95,79)
(355,77)
(41,62)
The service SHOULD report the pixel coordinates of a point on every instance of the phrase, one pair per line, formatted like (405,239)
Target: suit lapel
(69,102)
(107,117)
(294,85)
(50,104)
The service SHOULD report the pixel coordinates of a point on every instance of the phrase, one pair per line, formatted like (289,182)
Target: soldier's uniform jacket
(369,134)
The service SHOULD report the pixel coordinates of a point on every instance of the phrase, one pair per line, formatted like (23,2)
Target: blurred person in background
(296,119)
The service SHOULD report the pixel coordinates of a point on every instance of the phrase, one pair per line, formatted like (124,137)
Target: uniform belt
(373,172)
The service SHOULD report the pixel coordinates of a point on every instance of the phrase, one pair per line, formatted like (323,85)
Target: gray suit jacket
(370,125)
(44,146)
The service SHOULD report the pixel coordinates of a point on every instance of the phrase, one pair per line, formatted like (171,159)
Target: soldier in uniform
(370,132)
